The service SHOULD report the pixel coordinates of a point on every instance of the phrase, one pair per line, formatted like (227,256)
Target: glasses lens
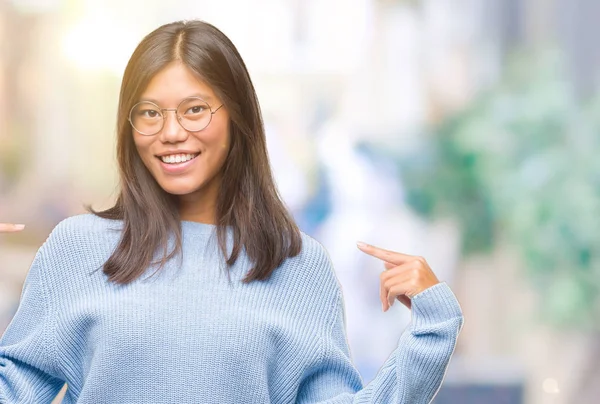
(146,118)
(194,114)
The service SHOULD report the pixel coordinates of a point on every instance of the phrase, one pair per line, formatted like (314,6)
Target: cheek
(142,146)
(225,139)
(218,139)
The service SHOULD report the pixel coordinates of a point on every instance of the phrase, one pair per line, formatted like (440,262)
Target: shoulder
(313,253)
(80,234)
(313,268)
(83,227)
(85,223)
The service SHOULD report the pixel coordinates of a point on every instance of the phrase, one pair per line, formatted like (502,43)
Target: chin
(179,190)
(176,192)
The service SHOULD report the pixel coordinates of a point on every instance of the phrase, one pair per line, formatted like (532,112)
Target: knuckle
(416,272)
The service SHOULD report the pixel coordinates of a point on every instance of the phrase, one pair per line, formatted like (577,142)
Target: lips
(178,158)
(176,151)
(171,166)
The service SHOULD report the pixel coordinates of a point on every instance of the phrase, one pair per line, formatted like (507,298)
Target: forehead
(175,82)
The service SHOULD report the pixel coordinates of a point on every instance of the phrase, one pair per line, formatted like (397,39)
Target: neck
(198,207)
(195,213)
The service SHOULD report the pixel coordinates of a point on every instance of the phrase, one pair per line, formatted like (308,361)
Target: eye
(196,109)
(149,113)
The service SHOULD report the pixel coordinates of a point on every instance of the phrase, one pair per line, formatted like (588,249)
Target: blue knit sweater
(187,335)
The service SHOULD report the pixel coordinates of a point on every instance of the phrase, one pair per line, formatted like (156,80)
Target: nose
(172,131)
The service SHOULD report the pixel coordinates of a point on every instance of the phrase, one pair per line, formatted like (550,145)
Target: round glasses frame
(179,118)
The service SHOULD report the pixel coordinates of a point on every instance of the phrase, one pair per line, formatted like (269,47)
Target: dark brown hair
(248,199)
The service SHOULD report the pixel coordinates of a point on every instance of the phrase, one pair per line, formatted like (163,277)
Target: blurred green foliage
(522,164)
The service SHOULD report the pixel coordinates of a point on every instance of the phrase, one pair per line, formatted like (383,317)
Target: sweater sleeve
(412,374)
(27,370)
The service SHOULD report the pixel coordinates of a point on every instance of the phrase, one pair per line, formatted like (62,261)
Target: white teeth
(177,158)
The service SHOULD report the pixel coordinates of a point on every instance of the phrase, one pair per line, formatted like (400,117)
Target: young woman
(197,286)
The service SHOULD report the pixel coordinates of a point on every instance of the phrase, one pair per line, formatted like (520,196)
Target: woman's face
(198,178)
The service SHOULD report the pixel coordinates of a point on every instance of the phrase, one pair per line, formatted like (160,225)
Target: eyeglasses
(193,114)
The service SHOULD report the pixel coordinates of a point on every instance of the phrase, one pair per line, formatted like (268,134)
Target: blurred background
(465,131)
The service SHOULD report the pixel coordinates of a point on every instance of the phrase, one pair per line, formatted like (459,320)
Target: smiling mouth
(177,158)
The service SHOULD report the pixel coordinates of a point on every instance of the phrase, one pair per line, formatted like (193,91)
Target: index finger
(9,227)
(392,257)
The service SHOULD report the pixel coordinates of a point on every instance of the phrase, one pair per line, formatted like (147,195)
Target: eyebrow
(205,97)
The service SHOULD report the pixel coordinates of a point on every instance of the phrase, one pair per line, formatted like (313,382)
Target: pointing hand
(405,275)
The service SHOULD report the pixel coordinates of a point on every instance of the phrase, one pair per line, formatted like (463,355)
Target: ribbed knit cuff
(434,305)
